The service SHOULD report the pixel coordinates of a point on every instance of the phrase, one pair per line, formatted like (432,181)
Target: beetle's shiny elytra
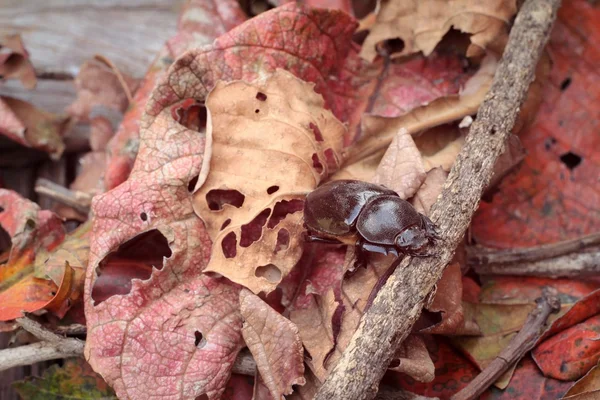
(370,216)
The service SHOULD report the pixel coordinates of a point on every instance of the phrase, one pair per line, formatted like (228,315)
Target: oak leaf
(269,148)
(421,25)
(274,342)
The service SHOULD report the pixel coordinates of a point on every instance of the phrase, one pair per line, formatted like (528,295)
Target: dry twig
(398,305)
(78,200)
(516,349)
(570,258)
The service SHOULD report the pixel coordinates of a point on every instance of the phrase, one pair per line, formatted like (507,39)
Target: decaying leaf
(378,132)
(429,190)
(33,233)
(419,25)
(274,342)
(587,387)
(401,168)
(99,84)
(439,146)
(31,127)
(14,61)
(271,143)
(412,358)
(199,24)
(75,380)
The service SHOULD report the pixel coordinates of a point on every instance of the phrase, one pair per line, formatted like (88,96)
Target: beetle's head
(412,240)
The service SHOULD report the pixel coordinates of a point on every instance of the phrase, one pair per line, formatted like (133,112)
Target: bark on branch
(398,305)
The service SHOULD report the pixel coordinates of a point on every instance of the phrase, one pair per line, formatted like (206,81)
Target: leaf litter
(196,250)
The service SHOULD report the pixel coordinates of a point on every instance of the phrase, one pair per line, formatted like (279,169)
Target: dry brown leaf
(401,168)
(378,132)
(412,358)
(512,156)
(421,24)
(25,124)
(362,170)
(429,190)
(439,146)
(316,330)
(272,142)
(101,131)
(100,84)
(274,343)
(14,61)
(448,302)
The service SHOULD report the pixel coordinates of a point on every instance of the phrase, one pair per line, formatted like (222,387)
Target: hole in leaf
(199,340)
(192,184)
(190,113)
(316,131)
(252,231)
(564,85)
(144,216)
(390,46)
(332,162)
(256,111)
(282,209)
(226,223)
(216,198)
(270,272)
(202,397)
(283,240)
(272,189)
(317,163)
(395,363)
(1,209)
(571,160)
(549,142)
(5,245)
(30,224)
(53,293)
(261,96)
(229,245)
(134,259)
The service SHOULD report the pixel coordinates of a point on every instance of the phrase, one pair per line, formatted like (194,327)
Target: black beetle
(371,217)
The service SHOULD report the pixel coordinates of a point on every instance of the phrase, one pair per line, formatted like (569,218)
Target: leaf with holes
(274,343)
(410,26)
(199,24)
(24,284)
(269,148)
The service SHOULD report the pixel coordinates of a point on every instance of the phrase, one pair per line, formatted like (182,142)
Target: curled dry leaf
(412,358)
(401,168)
(33,233)
(378,132)
(439,146)
(14,61)
(31,127)
(99,84)
(274,343)
(272,143)
(420,25)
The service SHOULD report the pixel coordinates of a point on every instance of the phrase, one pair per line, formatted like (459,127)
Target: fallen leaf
(570,354)
(239,387)
(513,155)
(99,85)
(421,25)
(412,358)
(440,146)
(429,191)
(200,23)
(261,391)
(14,61)
(274,343)
(101,132)
(253,214)
(554,196)
(401,168)
(34,233)
(31,127)
(74,380)
(589,385)
(377,132)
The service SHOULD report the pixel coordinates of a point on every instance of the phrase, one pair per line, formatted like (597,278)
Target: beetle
(371,217)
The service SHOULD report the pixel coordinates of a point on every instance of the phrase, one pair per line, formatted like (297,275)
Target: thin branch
(519,345)
(78,200)
(398,305)
(477,255)
(586,263)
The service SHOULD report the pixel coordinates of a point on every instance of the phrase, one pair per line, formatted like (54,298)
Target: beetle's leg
(360,255)
(318,239)
(430,227)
